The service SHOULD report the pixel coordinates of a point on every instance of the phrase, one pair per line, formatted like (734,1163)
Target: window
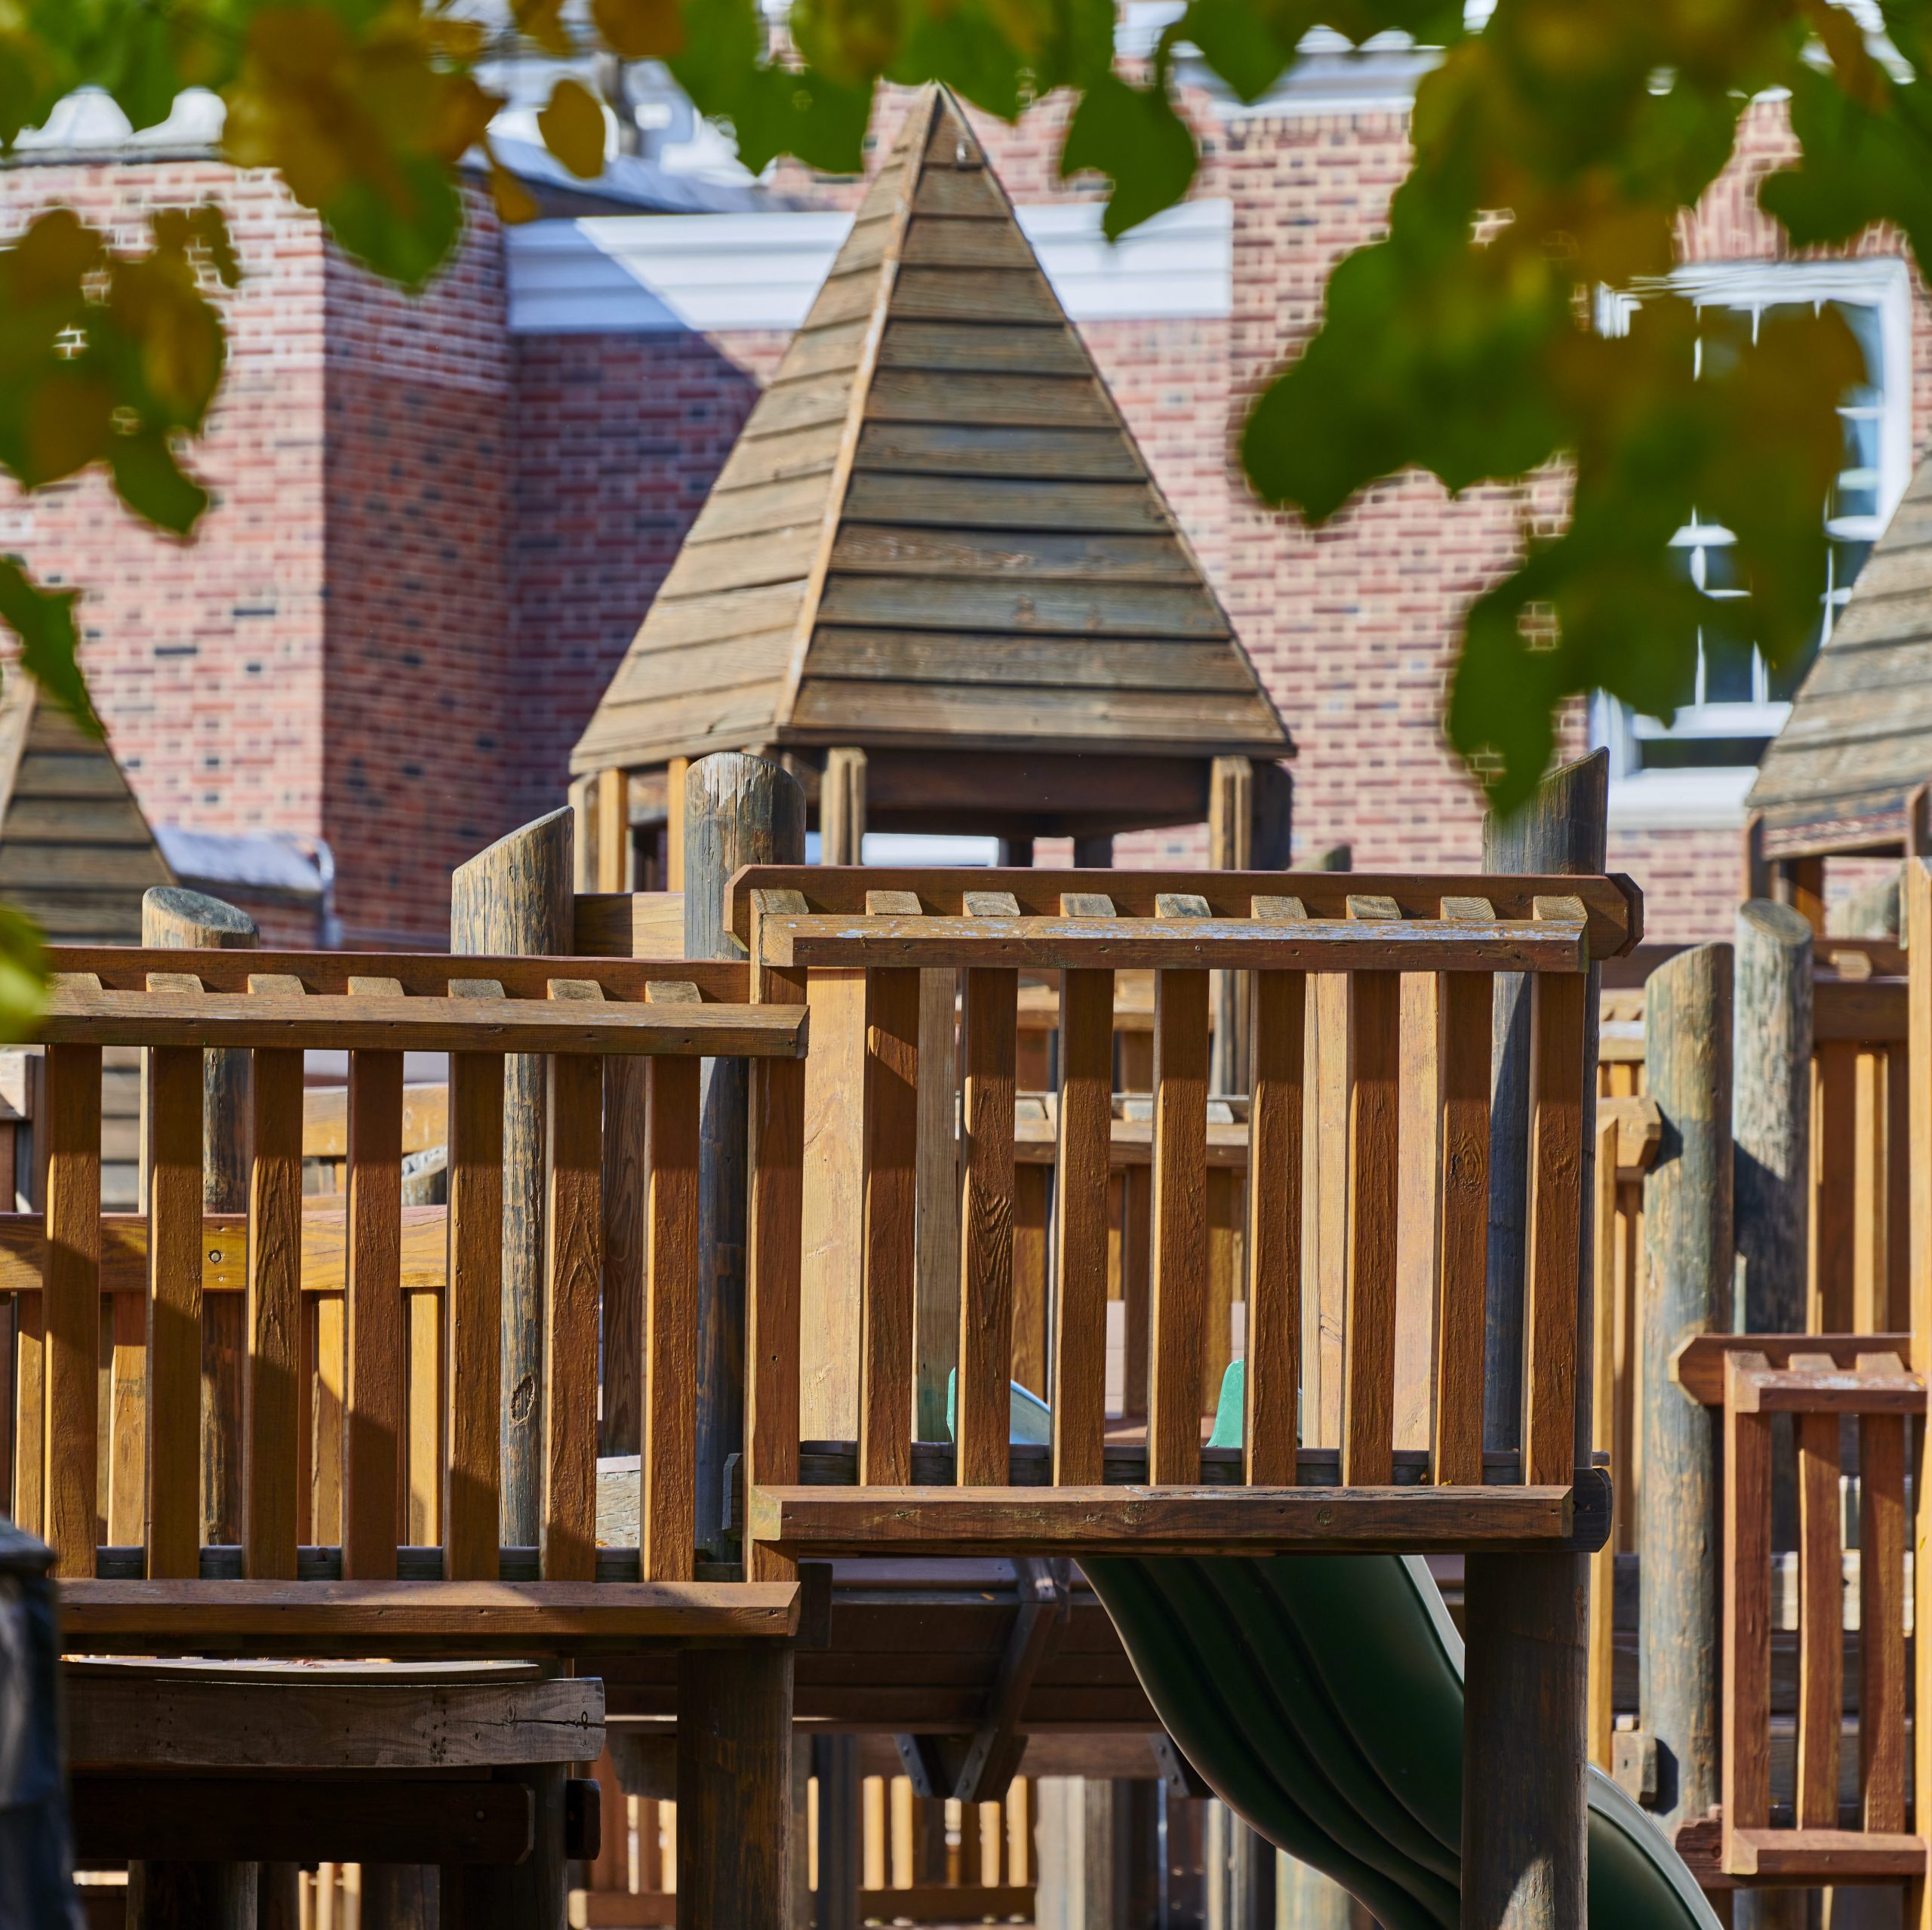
(1696,769)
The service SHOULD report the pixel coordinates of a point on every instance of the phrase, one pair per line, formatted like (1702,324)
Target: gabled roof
(1858,739)
(935,529)
(75,852)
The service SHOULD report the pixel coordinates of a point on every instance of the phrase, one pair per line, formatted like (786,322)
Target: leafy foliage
(1555,150)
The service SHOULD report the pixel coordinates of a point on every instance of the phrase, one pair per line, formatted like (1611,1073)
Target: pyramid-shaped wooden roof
(1859,739)
(75,852)
(936,529)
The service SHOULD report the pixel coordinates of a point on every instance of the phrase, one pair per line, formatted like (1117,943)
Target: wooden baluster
(1915,1062)
(271,1406)
(1272,1383)
(1558,1002)
(668,1451)
(125,1427)
(1600,1664)
(420,1501)
(1178,1278)
(174,1308)
(1465,1002)
(626,1078)
(373,1368)
(323,1377)
(574,1226)
(1834,1165)
(472,1310)
(30,1401)
(1744,1770)
(990,1045)
(1136,1247)
(774,1227)
(1375,1049)
(888,1239)
(1882,1690)
(1820,1612)
(70,1295)
(1870,1299)
(1079,1397)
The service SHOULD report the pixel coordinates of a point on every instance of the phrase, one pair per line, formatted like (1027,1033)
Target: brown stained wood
(988,1044)
(270,1394)
(776,1116)
(735,1811)
(1698,1364)
(573,1213)
(1277,1107)
(1821,1651)
(1137,1248)
(1882,1686)
(1552,1301)
(889,1250)
(472,1317)
(1833,1154)
(936,1307)
(1007,1521)
(420,1488)
(374,1366)
(1813,1857)
(1368,1401)
(1031,1257)
(1915,892)
(1612,913)
(624,1184)
(1897,1181)
(124,1465)
(174,1312)
(29,1415)
(1080,1227)
(1870,1283)
(667,1456)
(1462,1062)
(1745,1771)
(1177,1274)
(319,1476)
(72,1306)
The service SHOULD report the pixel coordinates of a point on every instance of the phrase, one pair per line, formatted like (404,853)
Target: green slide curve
(1321,1697)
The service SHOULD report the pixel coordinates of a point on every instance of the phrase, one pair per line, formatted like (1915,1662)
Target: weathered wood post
(1230,840)
(515,897)
(1687,1198)
(734,1705)
(841,808)
(1526,1616)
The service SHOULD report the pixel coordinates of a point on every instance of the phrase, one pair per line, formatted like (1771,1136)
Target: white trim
(646,274)
(1711,800)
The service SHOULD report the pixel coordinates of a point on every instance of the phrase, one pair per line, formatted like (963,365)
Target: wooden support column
(1523,1830)
(1916,891)
(734,1789)
(841,808)
(737,809)
(193,1896)
(529,1895)
(1687,1240)
(516,897)
(1230,840)
(835,1763)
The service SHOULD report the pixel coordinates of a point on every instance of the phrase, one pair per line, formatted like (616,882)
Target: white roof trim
(709,273)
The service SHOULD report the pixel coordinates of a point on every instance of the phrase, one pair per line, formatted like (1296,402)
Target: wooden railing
(862,939)
(585,1016)
(1818,1381)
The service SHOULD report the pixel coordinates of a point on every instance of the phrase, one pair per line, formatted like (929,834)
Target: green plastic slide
(1321,1697)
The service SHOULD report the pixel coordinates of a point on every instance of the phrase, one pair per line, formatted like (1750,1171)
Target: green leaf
(43,620)
(1238,40)
(406,238)
(23,974)
(1133,136)
(572,128)
(150,483)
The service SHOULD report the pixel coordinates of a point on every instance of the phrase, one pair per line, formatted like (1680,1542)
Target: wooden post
(529,1895)
(841,808)
(1915,890)
(734,1785)
(191,1896)
(1525,1616)
(738,810)
(174,919)
(1230,839)
(1687,1240)
(515,897)
(835,1763)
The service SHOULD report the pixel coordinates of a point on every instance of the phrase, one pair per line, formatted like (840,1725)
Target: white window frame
(1714,796)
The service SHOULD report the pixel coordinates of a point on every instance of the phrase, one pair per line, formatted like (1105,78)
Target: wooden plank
(1821,1651)
(331,1023)
(987,347)
(319,1474)
(270,1409)
(667,1455)
(1822,1856)
(174,1312)
(1599,1719)
(1465,1000)
(1030,668)
(886,548)
(889,1249)
(1744,1771)
(124,1468)
(1915,896)
(473,1318)
(1833,1208)
(1697,1366)
(573,1218)
(1277,1107)
(373,1316)
(1031,1257)
(1007,1522)
(1368,1412)
(1053,608)
(988,1045)
(1080,1218)
(1825,1390)
(320,1618)
(935,1308)
(1137,1260)
(625,1183)
(1177,1276)
(1882,1685)
(71,1122)
(1557,1078)
(1054,944)
(978,449)
(1870,1280)
(29,1495)
(421,1487)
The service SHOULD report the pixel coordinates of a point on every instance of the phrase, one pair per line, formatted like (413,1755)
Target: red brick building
(439,523)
